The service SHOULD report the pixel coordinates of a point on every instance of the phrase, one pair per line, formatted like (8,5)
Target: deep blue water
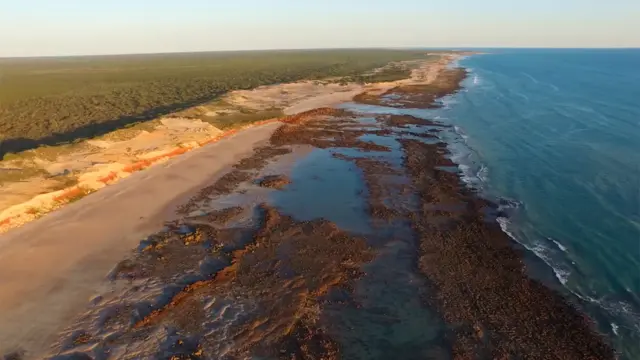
(558,132)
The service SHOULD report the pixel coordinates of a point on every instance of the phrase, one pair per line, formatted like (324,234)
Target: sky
(86,27)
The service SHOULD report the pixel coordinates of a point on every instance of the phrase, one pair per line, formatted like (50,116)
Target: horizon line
(449,48)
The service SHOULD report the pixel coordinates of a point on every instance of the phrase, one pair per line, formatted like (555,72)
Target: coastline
(497,251)
(477,332)
(94,164)
(575,237)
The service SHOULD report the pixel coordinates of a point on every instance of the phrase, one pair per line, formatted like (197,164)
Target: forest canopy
(45,101)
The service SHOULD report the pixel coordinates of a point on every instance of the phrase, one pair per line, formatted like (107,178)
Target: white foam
(620,309)
(540,251)
(483,173)
(561,275)
(461,133)
(469,177)
(448,101)
(560,246)
(504,225)
(507,204)
(472,173)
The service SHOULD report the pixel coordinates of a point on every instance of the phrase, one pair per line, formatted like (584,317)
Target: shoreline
(436,187)
(491,291)
(566,260)
(107,162)
(598,343)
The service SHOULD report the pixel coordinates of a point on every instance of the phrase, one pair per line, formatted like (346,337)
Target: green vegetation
(46,101)
(20,174)
(392,72)
(64,182)
(130,131)
(241,118)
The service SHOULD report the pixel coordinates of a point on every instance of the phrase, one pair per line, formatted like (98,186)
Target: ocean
(554,136)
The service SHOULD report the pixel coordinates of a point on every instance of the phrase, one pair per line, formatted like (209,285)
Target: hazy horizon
(39,28)
(320,49)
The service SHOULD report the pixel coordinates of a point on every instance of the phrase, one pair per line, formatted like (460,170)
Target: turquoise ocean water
(555,136)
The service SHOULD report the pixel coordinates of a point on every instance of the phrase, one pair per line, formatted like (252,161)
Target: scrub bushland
(48,101)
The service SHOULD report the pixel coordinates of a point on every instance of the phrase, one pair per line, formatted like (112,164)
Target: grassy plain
(47,101)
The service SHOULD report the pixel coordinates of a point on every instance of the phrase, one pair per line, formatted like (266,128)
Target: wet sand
(366,246)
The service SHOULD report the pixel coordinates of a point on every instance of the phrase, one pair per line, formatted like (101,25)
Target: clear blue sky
(68,27)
